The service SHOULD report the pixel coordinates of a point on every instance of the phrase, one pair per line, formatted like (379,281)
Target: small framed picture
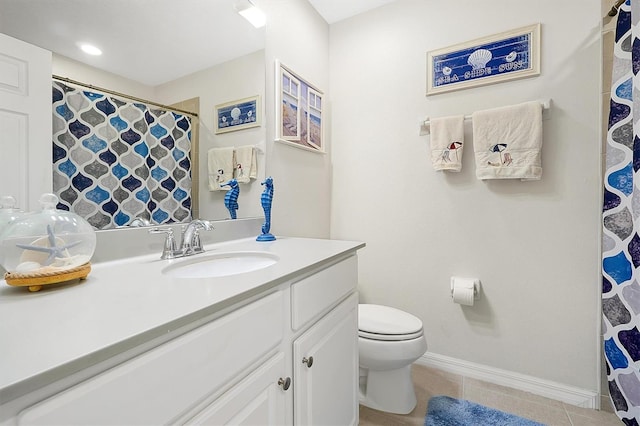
(238,115)
(299,120)
(500,57)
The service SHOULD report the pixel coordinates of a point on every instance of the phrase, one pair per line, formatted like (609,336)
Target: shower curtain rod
(133,98)
(614,9)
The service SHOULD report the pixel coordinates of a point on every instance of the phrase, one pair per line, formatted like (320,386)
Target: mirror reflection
(190,57)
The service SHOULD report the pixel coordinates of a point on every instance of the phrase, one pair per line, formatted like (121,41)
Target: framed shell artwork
(500,57)
(238,115)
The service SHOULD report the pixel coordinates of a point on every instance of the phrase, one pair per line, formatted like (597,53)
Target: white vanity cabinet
(323,348)
(288,356)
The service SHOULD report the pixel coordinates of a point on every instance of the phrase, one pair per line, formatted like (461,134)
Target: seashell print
(446,70)
(479,58)
(511,56)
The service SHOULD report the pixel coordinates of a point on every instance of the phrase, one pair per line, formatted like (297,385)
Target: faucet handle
(163,230)
(196,243)
(205,225)
(170,248)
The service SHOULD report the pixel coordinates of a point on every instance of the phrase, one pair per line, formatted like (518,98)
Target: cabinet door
(258,400)
(325,369)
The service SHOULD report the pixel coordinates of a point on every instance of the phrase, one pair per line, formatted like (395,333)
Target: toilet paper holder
(476,285)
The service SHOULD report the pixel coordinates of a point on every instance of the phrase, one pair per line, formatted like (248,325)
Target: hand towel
(447,141)
(220,165)
(508,141)
(246,166)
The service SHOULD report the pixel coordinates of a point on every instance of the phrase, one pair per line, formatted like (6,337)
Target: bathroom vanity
(135,344)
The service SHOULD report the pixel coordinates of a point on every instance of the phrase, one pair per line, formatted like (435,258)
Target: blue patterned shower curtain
(621,212)
(115,160)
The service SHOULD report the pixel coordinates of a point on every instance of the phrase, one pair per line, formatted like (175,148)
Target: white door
(258,400)
(325,369)
(25,121)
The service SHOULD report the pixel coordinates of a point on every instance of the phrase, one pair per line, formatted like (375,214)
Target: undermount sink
(220,264)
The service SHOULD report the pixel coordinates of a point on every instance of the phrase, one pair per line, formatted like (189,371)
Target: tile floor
(430,382)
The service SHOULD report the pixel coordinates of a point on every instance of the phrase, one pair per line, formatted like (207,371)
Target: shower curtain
(621,211)
(115,161)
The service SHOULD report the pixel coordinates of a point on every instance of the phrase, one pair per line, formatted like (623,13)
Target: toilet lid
(385,320)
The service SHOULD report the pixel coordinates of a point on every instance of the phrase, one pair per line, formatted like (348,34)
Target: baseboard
(548,389)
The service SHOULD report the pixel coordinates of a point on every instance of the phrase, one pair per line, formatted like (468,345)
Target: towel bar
(425,125)
(260,147)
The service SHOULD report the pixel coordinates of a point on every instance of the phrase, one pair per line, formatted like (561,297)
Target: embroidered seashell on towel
(507,142)
(447,139)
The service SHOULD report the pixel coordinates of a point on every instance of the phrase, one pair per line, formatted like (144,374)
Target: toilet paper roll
(463,296)
(462,290)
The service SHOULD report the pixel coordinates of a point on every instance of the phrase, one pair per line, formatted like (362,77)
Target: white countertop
(122,304)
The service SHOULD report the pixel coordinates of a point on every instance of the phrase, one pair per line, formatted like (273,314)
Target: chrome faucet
(191,243)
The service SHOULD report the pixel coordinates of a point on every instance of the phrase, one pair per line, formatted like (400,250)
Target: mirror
(193,55)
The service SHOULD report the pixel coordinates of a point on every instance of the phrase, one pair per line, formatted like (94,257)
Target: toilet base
(390,390)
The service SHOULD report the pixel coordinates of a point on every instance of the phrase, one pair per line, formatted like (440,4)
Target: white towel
(220,165)
(447,142)
(246,166)
(507,142)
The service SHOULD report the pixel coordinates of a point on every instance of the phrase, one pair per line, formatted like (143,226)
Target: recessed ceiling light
(90,49)
(250,12)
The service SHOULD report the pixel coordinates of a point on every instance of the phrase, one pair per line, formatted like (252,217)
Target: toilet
(389,341)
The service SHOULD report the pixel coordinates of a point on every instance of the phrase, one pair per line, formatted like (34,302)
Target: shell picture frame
(496,58)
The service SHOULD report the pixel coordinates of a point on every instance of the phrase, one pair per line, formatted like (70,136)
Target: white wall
(69,68)
(534,245)
(299,38)
(236,79)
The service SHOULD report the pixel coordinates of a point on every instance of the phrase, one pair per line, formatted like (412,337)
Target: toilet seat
(388,337)
(377,322)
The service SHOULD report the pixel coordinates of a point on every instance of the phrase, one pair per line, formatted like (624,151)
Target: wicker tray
(35,281)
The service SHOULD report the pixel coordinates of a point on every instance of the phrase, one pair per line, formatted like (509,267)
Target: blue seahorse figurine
(266,199)
(231,197)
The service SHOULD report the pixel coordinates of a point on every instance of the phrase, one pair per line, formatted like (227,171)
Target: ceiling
(336,10)
(149,41)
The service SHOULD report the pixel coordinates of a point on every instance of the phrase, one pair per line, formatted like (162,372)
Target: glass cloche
(8,211)
(47,247)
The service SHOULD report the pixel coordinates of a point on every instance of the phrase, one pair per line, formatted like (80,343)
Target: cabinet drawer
(315,294)
(157,386)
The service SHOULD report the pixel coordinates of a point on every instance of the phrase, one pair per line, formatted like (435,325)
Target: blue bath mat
(447,411)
